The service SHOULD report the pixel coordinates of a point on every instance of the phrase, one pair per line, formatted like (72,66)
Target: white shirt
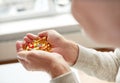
(103,65)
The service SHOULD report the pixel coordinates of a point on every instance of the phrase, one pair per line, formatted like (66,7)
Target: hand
(68,49)
(37,60)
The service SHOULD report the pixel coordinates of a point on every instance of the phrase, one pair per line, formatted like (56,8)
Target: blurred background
(18,17)
(25,9)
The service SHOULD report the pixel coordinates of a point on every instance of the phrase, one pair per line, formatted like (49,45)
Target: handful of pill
(38,44)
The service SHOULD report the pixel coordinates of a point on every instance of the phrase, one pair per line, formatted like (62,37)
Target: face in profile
(100,20)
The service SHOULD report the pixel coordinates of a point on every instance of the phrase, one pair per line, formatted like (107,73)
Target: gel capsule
(38,44)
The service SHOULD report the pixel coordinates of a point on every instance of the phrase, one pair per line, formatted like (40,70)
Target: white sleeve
(103,65)
(69,77)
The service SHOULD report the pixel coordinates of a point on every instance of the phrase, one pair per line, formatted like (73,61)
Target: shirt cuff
(83,58)
(69,77)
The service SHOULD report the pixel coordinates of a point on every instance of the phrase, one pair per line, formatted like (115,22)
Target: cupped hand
(66,48)
(37,60)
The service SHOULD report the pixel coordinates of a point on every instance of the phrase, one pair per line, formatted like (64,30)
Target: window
(23,9)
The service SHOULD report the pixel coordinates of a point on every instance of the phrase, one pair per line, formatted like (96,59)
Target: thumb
(22,54)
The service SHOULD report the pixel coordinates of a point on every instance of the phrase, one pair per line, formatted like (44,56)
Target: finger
(43,34)
(22,55)
(28,55)
(39,54)
(19,46)
(32,36)
(24,44)
(24,63)
(27,39)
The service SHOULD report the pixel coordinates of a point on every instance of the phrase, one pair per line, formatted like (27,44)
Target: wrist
(74,50)
(59,69)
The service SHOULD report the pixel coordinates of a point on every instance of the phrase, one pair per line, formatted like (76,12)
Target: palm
(42,61)
(62,46)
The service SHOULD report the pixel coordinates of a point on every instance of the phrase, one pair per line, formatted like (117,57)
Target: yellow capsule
(38,44)
(43,44)
(36,48)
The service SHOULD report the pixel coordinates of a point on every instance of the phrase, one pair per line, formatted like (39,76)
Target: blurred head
(100,19)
